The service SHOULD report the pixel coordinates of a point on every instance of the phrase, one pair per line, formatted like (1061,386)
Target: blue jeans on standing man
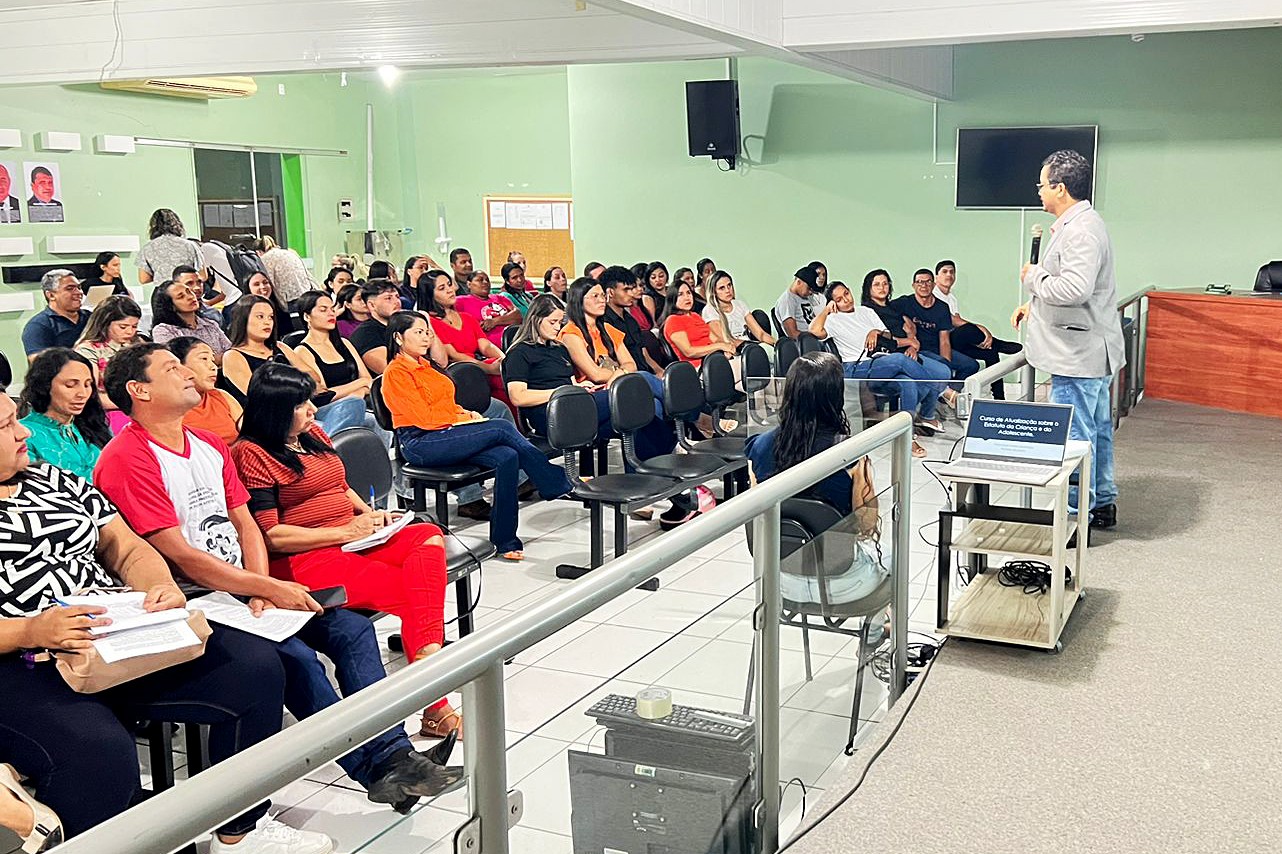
(493,444)
(1093,422)
(919,397)
(348,640)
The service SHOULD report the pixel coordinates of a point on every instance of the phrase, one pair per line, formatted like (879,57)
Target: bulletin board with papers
(539,227)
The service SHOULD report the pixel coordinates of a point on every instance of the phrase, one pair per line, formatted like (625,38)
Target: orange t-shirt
(213,413)
(598,346)
(418,395)
(697,331)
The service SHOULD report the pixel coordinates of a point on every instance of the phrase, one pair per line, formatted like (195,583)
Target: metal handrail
(170,819)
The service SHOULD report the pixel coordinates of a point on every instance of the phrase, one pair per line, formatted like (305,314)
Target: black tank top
(254,362)
(336,373)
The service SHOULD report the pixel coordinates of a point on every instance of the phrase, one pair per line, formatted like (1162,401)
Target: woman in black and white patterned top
(59,535)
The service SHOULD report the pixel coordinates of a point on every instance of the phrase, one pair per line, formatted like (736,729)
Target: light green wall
(1190,138)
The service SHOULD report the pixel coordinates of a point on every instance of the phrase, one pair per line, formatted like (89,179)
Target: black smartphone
(330,597)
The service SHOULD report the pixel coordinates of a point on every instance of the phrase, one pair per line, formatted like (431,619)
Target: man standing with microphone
(1074,332)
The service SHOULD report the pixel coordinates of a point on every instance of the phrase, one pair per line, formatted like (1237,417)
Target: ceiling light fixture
(389,74)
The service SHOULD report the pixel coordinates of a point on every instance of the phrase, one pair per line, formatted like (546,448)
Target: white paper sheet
(380,536)
(512,214)
(543,216)
(276,624)
(561,216)
(125,611)
(498,215)
(147,640)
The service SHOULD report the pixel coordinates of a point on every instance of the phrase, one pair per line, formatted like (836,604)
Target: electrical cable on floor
(864,774)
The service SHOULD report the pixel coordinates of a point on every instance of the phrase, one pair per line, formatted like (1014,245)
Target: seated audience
(60,407)
(799,304)
(622,291)
(383,270)
(689,334)
(821,276)
(235,687)
(337,279)
(300,499)
(461,265)
(654,288)
(259,285)
(189,277)
(108,274)
(541,360)
(867,353)
(286,271)
(433,430)
(812,420)
(730,316)
(383,299)
(168,248)
(175,311)
(178,489)
(112,327)
(967,338)
(461,334)
(685,274)
(326,354)
(555,283)
(415,267)
(253,336)
(516,288)
(352,311)
(495,312)
(593,269)
(218,412)
(62,321)
(933,323)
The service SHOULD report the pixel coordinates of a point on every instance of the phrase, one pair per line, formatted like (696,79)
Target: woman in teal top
(62,410)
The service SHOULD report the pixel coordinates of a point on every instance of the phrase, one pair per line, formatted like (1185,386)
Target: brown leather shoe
(478,509)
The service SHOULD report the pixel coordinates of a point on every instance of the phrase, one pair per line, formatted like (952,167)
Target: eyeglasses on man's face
(1047,185)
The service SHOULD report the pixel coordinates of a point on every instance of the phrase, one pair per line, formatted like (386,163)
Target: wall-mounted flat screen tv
(997,168)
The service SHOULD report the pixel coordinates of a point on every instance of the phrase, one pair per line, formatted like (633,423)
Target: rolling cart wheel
(1081,594)
(1057,649)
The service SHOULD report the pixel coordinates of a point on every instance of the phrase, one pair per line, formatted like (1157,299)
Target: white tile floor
(693,636)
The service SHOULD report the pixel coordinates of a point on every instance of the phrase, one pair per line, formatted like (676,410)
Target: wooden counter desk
(1216,350)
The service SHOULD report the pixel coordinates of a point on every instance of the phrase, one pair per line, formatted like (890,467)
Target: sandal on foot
(918,451)
(449,722)
(516,556)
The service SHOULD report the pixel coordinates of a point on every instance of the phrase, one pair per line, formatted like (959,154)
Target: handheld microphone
(1036,251)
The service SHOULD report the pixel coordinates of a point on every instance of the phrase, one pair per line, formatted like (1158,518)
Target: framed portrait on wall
(10,184)
(44,184)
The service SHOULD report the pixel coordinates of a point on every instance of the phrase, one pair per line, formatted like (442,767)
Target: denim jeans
(348,640)
(959,367)
(473,491)
(1092,421)
(494,444)
(341,414)
(918,397)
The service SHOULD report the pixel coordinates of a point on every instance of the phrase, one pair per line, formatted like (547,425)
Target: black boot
(1104,516)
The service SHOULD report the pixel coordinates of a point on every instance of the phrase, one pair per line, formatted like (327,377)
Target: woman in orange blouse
(434,430)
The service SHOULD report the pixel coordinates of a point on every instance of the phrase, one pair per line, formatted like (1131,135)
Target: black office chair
(293,339)
(572,425)
(762,318)
(684,401)
(471,386)
(441,479)
(631,409)
(369,472)
(808,342)
(754,367)
(509,335)
(778,326)
(786,352)
(817,543)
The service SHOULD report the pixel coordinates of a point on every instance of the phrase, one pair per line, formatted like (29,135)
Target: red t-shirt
(463,339)
(156,488)
(697,331)
(317,498)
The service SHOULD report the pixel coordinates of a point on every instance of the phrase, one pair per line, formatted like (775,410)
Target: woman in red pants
(300,499)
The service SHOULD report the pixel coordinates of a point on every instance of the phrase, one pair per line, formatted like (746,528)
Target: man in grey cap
(1074,332)
(800,304)
(62,321)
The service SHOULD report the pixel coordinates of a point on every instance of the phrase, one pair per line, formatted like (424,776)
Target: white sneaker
(272,837)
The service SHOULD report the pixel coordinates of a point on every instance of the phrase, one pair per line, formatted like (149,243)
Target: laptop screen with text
(1018,432)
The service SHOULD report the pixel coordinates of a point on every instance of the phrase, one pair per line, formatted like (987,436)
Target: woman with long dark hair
(433,430)
(107,274)
(556,283)
(175,311)
(461,333)
(689,334)
(337,279)
(654,288)
(260,284)
(516,287)
(410,288)
(352,310)
(300,499)
(494,312)
(60,407)
(550,349)
(112,327)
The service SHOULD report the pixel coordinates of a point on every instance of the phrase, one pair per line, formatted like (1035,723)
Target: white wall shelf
(20,301)
(10,138)
(57,140)
(78,244)
(17,246)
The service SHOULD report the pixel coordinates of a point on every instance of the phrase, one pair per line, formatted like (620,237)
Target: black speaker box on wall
(712,118)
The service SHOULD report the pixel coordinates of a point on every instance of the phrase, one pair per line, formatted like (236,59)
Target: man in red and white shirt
(177,487)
